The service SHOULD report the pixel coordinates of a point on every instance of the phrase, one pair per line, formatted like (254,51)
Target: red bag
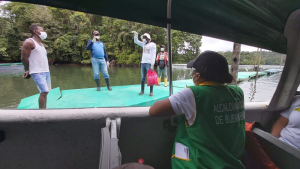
(151,78)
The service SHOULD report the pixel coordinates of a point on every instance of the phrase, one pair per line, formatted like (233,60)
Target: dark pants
(144,68)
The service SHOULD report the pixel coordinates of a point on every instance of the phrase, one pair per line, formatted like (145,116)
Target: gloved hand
(135,33)
(107,64)
(152,67)
(94,39)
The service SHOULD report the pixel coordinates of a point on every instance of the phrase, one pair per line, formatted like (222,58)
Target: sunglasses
(97,34)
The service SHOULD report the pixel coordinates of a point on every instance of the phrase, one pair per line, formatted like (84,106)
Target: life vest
(166,60)
(216,139)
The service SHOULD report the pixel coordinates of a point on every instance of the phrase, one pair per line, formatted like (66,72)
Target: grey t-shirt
(291,133)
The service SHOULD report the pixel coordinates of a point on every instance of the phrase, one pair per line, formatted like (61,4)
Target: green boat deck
(11,64)
(249,75)
(120,96)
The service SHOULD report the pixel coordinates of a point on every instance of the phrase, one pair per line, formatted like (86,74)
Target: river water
(14,88)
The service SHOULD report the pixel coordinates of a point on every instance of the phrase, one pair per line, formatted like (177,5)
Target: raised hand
(94,39)
(135,33)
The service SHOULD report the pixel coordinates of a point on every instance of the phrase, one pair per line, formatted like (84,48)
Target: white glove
(107,64)
(135,33)
(94,39)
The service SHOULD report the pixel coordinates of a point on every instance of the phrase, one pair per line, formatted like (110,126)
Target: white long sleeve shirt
(149,51)
(291,132)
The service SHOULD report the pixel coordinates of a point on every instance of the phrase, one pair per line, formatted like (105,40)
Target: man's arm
(26,48)
(136,41)
(156,58)
(162,108)
(105,53)
(167,58)
(89,45)
(279,125)
(153,55)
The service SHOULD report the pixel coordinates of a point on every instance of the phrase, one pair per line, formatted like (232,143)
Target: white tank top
(38,61)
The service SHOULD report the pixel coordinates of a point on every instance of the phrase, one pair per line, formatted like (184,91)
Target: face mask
(193,80)
(162,49)
(97,37)
(43,35)
(144,41)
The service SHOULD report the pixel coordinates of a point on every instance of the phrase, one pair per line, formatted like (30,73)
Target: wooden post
(281,61)
(235,61)
(255,60)
(258,64)
(255,80)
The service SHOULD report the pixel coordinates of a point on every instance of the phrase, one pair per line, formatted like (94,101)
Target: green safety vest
(216,139)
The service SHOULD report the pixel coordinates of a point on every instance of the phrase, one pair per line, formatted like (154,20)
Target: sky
(3,2)
(213,44)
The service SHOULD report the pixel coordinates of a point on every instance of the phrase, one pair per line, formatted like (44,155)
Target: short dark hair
(212,66)
(33,27)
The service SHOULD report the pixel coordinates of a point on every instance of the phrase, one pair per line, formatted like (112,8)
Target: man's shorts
(43,81)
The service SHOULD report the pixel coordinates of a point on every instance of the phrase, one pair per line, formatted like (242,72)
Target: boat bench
(282,154)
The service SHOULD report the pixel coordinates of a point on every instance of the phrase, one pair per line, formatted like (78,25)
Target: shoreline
(112,64)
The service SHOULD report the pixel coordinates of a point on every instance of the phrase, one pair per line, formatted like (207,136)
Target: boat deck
(249,75)
(120,96)
(11,64)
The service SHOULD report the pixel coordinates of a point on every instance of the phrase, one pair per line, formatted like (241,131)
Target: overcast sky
(2,2)
(213,44)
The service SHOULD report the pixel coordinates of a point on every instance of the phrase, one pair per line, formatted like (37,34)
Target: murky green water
(13,87)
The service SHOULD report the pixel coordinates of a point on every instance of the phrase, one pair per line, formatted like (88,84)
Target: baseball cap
(95,32)
(212,66)
(147,35)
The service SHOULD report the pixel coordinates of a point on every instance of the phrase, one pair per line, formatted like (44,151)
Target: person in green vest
(162,65)
(210,117)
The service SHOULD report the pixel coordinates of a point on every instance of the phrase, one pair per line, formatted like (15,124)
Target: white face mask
(43,35)
(193,80)
(162,49)
(192,76)
(97,37)
(144,41)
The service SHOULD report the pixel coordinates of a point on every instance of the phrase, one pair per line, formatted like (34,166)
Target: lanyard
(209,83)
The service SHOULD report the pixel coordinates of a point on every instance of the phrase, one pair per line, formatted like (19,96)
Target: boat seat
(110,155)
(282,154)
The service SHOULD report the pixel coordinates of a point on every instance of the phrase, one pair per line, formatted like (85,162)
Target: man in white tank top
(35,61)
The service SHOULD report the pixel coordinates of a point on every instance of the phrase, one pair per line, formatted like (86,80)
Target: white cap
(147,35)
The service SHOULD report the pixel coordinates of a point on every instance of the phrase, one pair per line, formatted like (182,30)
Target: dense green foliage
(251,58)
(68,32)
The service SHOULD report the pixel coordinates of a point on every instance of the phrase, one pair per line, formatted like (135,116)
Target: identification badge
(182,152)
